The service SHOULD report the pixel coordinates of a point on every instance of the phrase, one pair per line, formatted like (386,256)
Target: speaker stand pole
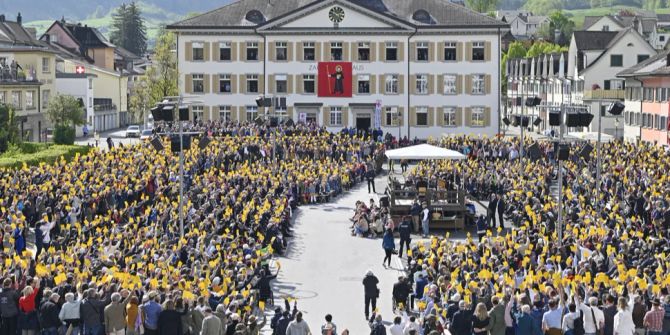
(599,161)
(559,225)
(523,108)
(181,171)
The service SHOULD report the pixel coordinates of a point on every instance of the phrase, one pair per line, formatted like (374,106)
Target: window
(449,84)
(364,51)
(648,94)
(252,50)
(225,53)
(198,51)
(659,93)
(30,99)
(477,117)
(478,51)
(16,99)
(336,51)
(664,94)
(449,116)
(90,83)
(450,51)
(281,84)
(225,85)
(198,113)
(616,84)
(661,38)
(616,60)
(198,83)
(335,116)
(308,51)
(606,28)
(224,113)
(422,116)
(642,58)
(422,84)
(391,51)
(252,83)
(3,97)
(281,51)
(308,83)
(422,51)
(391,115)
(46,94)
(364,84)
(392,83)
(252,113)
(478,84)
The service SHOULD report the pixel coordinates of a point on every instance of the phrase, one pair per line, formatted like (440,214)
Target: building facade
(80,86)
(419,69)
(648,101)
(27,77)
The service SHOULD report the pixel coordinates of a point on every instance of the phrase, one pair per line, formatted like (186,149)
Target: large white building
(419,68)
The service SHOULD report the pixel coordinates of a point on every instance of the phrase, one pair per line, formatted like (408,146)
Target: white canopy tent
(591,136)
(424,152)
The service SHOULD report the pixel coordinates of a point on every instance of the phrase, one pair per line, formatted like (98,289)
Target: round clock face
(336,14)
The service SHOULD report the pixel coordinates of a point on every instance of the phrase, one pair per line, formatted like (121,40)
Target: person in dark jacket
(501,211)
(461,322)
(263,286)
(91,313)
(370,177)
(525,325)
(609,312)
(275,320)
(49,321)
(415,211)
(371,292)
(169,320)
(491,213)
(388,243)
(9,307)
(401,292)
(405,231)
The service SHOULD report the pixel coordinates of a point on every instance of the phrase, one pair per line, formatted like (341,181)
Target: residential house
(415,68)
(27,75)
(648,100)
(595,59)
(526,26)
(646,24)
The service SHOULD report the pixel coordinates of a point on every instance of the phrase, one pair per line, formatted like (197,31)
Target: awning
(424,152)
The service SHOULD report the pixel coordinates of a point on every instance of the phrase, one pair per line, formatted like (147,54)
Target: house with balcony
(648,100)
(27,75)
(595,59)
(649,25)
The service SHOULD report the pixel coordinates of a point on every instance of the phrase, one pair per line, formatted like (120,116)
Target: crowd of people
(94,245)
(608,273)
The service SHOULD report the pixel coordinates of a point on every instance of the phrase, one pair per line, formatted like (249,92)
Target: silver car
(133,131)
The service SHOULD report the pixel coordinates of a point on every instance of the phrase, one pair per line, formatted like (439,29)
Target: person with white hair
(69,313)
(115,318)
(594,319)
(525,323)
(376,325)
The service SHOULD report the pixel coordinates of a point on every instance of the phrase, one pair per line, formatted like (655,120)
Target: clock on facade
(336,14)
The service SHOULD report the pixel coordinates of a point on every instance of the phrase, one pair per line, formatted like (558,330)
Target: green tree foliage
(481,6)
(128,29)
(543,7)
(140,100)
(160,80)
(561,22)
(9,128)
(543,48)
(66,110)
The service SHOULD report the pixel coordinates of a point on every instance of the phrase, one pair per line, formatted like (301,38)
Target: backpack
(579,324)
(378,329)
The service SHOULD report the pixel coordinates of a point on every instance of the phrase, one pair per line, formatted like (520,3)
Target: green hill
(579,14)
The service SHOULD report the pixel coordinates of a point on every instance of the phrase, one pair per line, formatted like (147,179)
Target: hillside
(579,14)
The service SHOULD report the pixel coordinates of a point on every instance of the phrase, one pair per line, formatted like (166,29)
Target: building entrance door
(363,122)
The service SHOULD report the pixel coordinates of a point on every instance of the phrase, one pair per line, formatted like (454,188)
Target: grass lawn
(36,153)
(579,14)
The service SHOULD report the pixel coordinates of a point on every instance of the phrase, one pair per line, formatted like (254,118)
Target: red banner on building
(335,80)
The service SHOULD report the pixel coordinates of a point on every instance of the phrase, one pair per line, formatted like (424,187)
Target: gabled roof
(444,13)
(593,40)
(653,66)
(613,42)
(15,34)
(648,23)
(87,37)
(591,20)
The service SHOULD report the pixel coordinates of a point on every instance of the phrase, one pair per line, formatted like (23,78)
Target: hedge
(36,153)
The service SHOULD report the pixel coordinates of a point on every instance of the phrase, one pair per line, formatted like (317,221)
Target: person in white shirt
(425,220)
(411,327)
(568,324)
(623,320)
(594,319)
(398,326)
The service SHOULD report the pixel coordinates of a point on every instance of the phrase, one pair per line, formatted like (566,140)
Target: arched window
(255,17)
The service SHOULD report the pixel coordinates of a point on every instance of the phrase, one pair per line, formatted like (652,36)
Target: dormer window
(255,16)
(422,16)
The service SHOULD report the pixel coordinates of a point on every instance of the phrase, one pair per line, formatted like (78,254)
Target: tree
(543,7)
(140,100)
(65,112)
(9,127)
(560,22)
(482,6)
(161,78)
(128,30)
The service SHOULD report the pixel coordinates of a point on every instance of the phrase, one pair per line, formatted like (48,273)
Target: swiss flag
(80,69)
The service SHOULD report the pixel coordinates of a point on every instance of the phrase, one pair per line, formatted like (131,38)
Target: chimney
(2,17)
(19,19)
(667,59)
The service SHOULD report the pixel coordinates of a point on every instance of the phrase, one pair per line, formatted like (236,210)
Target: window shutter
(261,51)
(234,56)
(401,116)
(234,87)
(431,84)
(289,112)
(206,51)
(401,84)
(289,51)
(459,116)
(326,116)
(468,51)
(206,113)
(271,83)
(412,84)
(326,51)
(345,117)
(345,52)
(382,84)
(487,83)
(468,84)
(384,116)
(289,84)
(440,84)
(468,117)
(354,84)
(233,113)
(299,87)
(261,83)
(401,51)
(459,52)
(440,51)
(431,51)
(317,52)
(459,84)
(373,84)
(216,51)
(440,117)
(373,51)
(206,84)
(243,51)
(431,116)
(300,52)
(487,116)
(243,84)
(316,84)
(412,116)
(354,51)
(273,51)
(243,113)
(188,48)
(487,51)
(382,51)
(188,83)
(412,50)
(216,113)
(216,85)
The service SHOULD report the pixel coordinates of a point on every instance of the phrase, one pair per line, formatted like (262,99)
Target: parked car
(147,134)
(133,131)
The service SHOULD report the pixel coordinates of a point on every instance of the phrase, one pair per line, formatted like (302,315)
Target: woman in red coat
(28,322)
